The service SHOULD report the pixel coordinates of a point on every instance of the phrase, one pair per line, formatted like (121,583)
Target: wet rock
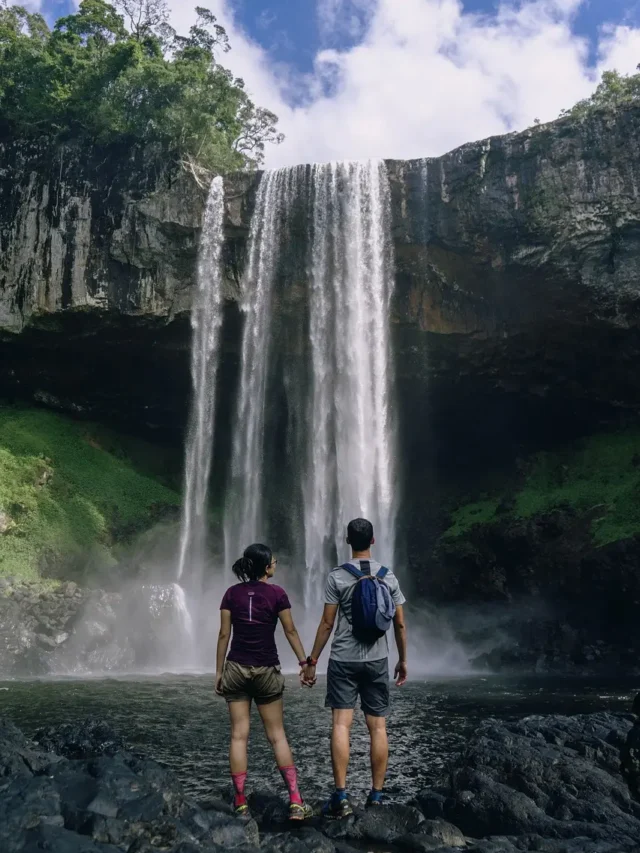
(20,757)
(268,809)
(446,834)
(431,803)
(383,825)
(59,840)
(556,777)
(70,589)
(630,754)
(304,840)
(87,739)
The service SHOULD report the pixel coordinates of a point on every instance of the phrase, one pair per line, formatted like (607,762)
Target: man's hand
(401,673)
(308,676)
(219,685)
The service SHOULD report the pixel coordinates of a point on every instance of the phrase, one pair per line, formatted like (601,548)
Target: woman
(252,669)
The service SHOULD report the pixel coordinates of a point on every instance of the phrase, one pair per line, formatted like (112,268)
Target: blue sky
(290,30)
(352,79)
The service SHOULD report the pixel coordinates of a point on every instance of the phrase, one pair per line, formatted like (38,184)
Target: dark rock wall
(515,320)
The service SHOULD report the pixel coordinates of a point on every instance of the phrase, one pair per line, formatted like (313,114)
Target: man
(357,669)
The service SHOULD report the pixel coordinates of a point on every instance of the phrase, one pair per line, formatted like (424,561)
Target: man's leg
(379,750)
(340,745)
(374,690)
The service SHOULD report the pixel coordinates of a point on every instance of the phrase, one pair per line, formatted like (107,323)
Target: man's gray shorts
(367,679)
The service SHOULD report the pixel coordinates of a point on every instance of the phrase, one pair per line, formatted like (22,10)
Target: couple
(358,664)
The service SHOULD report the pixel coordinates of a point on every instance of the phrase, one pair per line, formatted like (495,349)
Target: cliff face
(516,314)
(518,262)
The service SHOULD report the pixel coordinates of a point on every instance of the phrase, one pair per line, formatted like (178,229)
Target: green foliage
(614,91)
(66,495)
(467,516)
(108,76)
(600,476)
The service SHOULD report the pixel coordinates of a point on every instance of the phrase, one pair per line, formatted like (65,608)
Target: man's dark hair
(360,534)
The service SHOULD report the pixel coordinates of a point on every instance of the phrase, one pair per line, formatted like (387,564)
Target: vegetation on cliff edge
(614,91)
(63,496)
(117,71)
(599,474)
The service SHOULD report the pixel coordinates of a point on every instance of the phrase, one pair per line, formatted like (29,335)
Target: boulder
(557,777)
(87,739)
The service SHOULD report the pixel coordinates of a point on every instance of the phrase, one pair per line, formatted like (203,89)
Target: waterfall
(244,514)
(344,401)
(206,319)
(351,436)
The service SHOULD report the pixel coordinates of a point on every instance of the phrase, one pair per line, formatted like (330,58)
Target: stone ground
(550,784)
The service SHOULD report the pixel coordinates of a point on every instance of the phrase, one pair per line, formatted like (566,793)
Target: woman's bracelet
(308,662)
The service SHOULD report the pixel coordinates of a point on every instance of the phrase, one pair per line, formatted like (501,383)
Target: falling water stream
(351,436)
(206,319)
(244,515)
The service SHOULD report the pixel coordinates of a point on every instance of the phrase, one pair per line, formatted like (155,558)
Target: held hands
(308,676)
(401,673)
(219,685)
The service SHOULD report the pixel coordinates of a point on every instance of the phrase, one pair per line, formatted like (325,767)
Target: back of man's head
(360,534)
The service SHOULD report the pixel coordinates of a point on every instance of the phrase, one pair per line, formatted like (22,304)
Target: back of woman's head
(253,564)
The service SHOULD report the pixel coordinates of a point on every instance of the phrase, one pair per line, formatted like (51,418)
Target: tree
(144,17)
(115,71)
(614,91)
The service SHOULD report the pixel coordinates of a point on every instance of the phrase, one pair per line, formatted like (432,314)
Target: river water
(180,722)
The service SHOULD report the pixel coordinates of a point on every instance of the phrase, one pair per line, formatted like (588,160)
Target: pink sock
(290,776)
(238,780)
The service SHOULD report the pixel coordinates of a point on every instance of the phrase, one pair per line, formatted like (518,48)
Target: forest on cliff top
(119,71)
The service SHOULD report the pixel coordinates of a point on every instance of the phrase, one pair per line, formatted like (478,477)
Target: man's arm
(400,631)
(325,629)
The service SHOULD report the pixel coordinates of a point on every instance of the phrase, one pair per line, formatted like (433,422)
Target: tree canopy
(615,90)
(118,70)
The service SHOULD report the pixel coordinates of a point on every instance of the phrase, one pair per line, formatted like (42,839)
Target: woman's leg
(240,714)
(273,722)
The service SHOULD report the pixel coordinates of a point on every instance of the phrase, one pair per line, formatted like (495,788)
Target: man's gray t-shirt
(339,590)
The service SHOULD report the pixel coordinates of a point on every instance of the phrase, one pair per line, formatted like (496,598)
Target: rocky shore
(65,628)
(552,784)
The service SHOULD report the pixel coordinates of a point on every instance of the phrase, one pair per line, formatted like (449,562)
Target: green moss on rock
(599,475)
(64,495)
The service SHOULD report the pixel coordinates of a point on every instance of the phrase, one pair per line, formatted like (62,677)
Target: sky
(352,79)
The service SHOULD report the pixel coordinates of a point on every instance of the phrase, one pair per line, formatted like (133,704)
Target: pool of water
(180,722)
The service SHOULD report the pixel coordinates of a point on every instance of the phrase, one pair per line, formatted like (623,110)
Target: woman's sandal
(242,811)
(300,811)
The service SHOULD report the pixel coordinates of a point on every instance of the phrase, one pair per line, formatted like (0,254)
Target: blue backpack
(372,607)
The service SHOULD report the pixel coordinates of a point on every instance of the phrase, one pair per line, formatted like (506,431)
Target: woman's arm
(223,645)
(291,633)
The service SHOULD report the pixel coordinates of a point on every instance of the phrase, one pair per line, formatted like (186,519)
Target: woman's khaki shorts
(264,684)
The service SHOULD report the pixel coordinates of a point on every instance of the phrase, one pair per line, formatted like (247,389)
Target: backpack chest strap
(383,571)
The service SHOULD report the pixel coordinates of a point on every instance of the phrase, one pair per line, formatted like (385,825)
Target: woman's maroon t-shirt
(254,616)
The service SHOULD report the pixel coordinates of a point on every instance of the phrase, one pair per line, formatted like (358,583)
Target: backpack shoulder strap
(356,573)
(382,573)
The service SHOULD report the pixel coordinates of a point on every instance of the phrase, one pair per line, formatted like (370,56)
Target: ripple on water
(180,722)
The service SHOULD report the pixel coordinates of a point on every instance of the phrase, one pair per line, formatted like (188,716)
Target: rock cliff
(516,313)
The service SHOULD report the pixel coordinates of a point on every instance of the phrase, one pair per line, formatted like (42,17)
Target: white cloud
(344,17)
(424,76)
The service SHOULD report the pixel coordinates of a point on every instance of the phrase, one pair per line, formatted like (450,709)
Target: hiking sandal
(300,811)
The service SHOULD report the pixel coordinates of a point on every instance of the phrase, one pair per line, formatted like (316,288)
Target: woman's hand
(219,685)
(308,676)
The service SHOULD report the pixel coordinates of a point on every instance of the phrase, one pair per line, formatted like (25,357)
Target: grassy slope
(67,494)
(601,471)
